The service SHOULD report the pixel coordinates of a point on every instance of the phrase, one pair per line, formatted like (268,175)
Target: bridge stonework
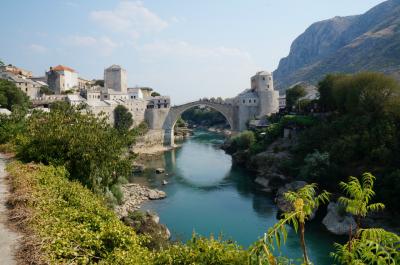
(165,119)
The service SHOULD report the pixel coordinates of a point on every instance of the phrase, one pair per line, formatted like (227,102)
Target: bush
(200,250)
(318,168)
(293,95)
(10,96)
(122,119)
(71,224)
(12,126)
(90,149)
(243,141)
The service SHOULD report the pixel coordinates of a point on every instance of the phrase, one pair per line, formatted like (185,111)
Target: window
(270,78)
(249,100)
(254,101)
(264,78)
(244,101)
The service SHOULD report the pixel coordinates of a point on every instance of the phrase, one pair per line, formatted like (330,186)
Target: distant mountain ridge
(370,41)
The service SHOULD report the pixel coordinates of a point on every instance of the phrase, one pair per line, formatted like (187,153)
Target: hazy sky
(183,48)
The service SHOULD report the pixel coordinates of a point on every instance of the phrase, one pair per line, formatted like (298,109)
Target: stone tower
(115,79)
(263,84)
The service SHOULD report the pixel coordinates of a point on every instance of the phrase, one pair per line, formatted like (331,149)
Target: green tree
(122,119)
(155,94)
(244,140)
(99,82)
(10,95)
(1,63)
(305,202)
(13,125)
(360,194)
(373,246)
(45,90)
(293,95)
(367,93)
(90,149)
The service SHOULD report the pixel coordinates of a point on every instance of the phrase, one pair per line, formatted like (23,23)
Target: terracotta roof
(63,68)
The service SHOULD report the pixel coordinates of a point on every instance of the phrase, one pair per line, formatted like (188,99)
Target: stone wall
(151,142)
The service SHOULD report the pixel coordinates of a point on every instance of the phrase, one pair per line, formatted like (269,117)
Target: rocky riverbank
(268,166)
(134,195)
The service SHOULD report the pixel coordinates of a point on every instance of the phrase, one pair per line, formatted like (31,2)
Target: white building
(115,78)
(62,78)
(135,93)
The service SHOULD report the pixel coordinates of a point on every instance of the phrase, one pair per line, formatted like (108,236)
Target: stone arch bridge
(166,119)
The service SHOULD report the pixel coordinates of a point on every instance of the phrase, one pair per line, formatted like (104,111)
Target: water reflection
(208,195)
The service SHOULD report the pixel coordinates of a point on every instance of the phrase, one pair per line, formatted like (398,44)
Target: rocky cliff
(367,42)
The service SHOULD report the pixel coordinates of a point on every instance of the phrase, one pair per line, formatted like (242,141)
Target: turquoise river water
(207,195)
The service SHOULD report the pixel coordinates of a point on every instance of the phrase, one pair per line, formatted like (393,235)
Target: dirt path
(8,238)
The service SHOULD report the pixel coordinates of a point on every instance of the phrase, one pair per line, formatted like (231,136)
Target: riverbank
(133,197)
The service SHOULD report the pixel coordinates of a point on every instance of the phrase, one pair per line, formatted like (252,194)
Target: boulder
(153,216)
(160,170)
(156,194)
(337,221)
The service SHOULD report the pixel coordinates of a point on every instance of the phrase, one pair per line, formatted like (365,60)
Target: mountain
(367,42)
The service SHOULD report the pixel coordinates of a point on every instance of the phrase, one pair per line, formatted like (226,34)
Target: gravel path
(8,238)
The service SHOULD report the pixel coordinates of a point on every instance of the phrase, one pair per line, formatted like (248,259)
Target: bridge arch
(227,110)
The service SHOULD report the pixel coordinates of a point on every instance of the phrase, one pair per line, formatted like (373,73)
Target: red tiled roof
(63,68)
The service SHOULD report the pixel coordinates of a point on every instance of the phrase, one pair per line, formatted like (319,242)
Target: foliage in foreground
(89,148)
(73,226)
(73,223)
(372,246)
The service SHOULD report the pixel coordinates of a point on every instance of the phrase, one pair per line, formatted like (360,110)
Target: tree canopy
(89,148)
(293,95)
(122,118)
(10,95)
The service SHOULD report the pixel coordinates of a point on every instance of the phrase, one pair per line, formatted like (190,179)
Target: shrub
(72,225)
(200,250)
(10,96)
(90,149)
(243,140)
(122,118)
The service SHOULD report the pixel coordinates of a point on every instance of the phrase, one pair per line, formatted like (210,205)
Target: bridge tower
(262,83)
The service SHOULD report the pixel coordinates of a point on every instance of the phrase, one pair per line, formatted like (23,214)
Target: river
(207,195)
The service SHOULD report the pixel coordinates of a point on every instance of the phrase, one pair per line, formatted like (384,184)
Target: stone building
(62,78)
(158,102)
(257,102)
(135,93)
(115,79)
(28,86)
